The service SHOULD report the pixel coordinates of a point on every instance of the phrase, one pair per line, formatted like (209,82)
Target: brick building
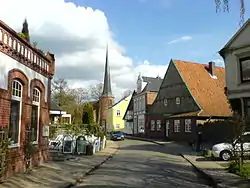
(25,84)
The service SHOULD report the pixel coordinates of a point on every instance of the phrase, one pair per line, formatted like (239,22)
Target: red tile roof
(207,91)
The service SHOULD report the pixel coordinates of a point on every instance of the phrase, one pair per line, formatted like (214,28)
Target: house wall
(114,119)
(172,87)
(240,47)
(19,60)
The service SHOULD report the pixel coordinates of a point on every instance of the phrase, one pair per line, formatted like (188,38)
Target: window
(176,126)
(247,106)
(1,35)
(152,125)
(14,44)
(165,102)
(15,112)
(118,113)
(188,125)
(158,123)
(117,126)
(35,114)
(178,100)
(245,69)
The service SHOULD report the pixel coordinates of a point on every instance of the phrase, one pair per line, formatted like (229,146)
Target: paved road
(143,164)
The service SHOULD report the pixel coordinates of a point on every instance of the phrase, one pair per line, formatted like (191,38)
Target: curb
(206,176)
(91,170)
(144,139)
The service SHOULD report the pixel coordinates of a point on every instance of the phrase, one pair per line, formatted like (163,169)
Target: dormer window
(178,100)
(245,69)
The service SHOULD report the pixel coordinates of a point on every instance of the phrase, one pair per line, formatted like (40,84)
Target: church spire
(25,30)
(107,92)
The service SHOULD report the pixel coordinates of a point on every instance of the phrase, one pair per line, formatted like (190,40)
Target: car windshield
(117,132)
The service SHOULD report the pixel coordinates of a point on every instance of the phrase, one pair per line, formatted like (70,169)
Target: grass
(244,172)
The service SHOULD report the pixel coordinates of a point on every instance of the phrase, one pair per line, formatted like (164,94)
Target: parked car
(224,151)
(117,135)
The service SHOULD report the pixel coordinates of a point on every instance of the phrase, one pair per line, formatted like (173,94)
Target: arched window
(5,38)
(15,112)
(35,114)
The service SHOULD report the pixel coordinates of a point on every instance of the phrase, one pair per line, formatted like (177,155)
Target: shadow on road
(128,170)
(169,148)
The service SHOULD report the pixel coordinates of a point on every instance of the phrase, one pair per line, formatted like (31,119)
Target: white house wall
(242,39)
(7,63)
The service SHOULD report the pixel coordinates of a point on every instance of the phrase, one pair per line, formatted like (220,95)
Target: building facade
(147,89)
(236,55)
(25,84)
(191,94)
(115,114)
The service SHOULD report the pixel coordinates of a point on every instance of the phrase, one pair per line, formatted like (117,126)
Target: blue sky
(146,27)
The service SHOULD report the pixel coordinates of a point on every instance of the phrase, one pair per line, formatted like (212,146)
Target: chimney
(211,68)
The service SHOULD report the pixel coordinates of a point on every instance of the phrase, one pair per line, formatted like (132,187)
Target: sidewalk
(159,142)
(61,174)
(215,173)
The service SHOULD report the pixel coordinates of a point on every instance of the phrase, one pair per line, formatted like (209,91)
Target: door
(167,128)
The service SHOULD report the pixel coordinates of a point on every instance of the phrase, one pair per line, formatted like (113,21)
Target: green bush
(243,172)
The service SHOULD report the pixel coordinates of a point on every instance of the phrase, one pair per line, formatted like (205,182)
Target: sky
(142,35)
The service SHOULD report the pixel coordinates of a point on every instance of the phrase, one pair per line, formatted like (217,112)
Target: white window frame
(36,102)
(177,125)
(152,125)
(19,99)
(118,113)
(158,125)
(165,102)
(178,100)
(188,126)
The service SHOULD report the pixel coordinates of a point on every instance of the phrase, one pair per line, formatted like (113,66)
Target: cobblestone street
(144,164)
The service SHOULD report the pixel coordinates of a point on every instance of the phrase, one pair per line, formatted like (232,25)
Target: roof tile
(208,92)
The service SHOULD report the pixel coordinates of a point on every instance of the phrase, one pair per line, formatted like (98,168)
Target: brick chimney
(211,68)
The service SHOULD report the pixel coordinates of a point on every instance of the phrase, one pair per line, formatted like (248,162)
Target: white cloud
(181,39)
(78,36)
(219,62)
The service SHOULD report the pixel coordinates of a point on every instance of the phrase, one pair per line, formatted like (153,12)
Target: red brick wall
(17,163)
(106,102)
(155,134)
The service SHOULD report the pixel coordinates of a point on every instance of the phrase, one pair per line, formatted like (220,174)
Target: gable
(241,37)
(207,91)
(173,86)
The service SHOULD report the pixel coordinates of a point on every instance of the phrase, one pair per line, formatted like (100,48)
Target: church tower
(25,30)
(107,98)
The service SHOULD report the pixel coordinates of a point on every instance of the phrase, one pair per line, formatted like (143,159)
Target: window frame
(247,58)
(152,125)
(158,125)
(165,102)
(188,125)
(177,100)
(177,127)
(118,113)
(18,99)
(37,104)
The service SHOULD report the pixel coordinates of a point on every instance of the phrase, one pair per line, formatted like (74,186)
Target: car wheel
(225,155)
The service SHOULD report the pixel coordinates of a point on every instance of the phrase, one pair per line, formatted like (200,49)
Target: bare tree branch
(96,91)
(226,8)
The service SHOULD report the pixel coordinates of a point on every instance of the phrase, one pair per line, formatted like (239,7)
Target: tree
(88,116)
(225,5)
(96,91)
(81,94)
(126,93)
